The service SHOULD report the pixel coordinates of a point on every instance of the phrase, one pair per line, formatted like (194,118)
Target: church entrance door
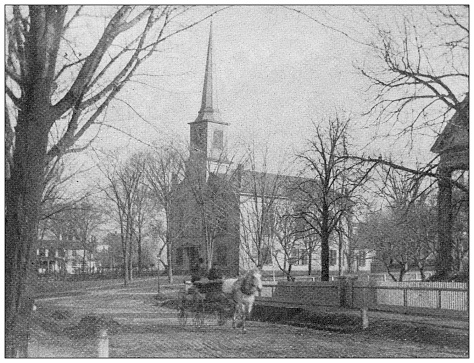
(193,257)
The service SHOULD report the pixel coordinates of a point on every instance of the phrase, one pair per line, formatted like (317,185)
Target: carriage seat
(205,285)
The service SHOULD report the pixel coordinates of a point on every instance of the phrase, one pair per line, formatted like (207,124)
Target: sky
(277,74)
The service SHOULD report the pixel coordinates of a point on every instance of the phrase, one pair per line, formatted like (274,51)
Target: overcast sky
(276,73)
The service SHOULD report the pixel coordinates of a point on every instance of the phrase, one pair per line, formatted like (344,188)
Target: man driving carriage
(199,271)
(214,272)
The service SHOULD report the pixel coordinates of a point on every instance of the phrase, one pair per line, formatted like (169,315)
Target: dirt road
(148,330)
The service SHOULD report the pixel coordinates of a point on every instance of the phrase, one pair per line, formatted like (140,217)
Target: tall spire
(209,111)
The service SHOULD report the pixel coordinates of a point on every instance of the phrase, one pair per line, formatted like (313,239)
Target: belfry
(208,131)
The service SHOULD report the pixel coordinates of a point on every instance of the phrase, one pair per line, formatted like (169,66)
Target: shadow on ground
(351,323)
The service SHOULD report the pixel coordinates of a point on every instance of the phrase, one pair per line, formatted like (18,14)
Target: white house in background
(64,256)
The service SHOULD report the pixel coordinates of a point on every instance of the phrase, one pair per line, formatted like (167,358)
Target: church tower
(208,133)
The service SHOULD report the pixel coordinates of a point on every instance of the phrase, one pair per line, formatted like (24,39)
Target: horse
(243,291)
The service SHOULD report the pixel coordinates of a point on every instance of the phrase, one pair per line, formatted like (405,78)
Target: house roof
(65,244)
(455,136)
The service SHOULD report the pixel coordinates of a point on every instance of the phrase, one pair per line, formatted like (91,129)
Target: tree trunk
(325,242)
(125,256)
(444,263)
(310,261)
(422,273)
(288,275)
(130,256)
(23,200)
(84,262)
(339,261)
(168,260)
(130,262)
(325,256)
(139,242)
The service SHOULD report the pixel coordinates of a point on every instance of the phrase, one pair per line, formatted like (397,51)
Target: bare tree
(164,171)
(123,184)
(330,183)
(421,83)
(260,193)
(111,256)
(288,235)
(422,72)
(145,207)
(47,91)
(419,80)
(403,232)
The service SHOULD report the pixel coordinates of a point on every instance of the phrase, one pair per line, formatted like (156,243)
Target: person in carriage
(214,272)
(199,271)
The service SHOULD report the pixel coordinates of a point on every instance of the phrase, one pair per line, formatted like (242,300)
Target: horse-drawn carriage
(218,299)
(200,299)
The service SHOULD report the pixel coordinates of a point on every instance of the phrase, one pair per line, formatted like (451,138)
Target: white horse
(243,291)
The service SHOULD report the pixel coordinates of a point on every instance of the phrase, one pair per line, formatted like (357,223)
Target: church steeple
(209,111)
(208,132)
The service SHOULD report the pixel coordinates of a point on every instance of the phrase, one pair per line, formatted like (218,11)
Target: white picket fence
(389,296)
(427,295)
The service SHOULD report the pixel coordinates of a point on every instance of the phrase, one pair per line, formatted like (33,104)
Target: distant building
(453,143)
(452,146)
(64,256)
(213,206)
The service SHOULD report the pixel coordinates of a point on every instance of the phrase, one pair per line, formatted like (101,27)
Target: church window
(361,258)
(218,140)
(179,256)
(332,257)
(222,255)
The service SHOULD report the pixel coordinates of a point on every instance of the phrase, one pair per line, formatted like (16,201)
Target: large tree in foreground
(55,93)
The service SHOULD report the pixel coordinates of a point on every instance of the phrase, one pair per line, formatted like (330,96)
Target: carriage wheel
(198,319)
(220,317)
(182,316)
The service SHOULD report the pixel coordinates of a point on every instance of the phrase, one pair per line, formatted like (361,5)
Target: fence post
(364,309)
(102,344)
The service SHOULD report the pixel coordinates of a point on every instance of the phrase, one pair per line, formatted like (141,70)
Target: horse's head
(252,282)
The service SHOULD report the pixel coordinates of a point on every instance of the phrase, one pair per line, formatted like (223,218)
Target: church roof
(269,183)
